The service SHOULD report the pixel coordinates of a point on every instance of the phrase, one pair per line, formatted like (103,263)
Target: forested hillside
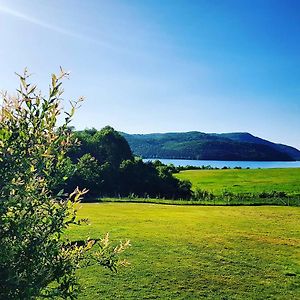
(198,145)
(249,138)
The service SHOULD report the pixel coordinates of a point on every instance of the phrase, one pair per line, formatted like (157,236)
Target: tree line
(102,161)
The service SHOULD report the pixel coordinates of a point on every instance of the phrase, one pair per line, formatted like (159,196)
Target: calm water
(231,164)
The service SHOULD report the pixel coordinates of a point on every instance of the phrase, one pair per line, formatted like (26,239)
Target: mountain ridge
(209,146)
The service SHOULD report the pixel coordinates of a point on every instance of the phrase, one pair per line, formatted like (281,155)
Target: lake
(230,164)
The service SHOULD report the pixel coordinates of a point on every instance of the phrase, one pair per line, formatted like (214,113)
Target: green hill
(249,138)
(203,146)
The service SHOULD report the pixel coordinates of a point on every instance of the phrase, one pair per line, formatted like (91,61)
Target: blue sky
(159,66)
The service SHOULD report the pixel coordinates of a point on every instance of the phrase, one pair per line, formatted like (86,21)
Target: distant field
(240,181)
(196,252)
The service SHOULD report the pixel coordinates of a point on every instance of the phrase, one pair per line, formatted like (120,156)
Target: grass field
(241,181)
(195,252)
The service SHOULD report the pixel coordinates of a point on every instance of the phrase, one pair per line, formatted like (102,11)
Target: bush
(200,194)
(273,194)
(35,260)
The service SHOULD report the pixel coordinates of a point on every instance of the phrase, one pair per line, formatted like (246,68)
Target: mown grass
(244,181)
(195,252)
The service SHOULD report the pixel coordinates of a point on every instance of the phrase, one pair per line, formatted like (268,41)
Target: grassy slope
(239,181)
(186,252)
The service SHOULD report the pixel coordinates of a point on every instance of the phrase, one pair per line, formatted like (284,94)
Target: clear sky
(159,66)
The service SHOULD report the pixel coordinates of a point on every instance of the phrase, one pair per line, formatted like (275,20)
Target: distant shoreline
(227,163)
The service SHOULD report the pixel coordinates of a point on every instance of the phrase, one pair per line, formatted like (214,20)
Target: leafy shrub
(35,260)
(273,194)
(200,194)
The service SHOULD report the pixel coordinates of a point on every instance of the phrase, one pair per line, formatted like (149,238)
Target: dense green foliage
(36,260)
(196,252)
(105,165)
(197,145)
(32,219)
(105,145)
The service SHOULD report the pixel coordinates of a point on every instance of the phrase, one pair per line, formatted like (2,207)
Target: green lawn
(240,181)
(196,252)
